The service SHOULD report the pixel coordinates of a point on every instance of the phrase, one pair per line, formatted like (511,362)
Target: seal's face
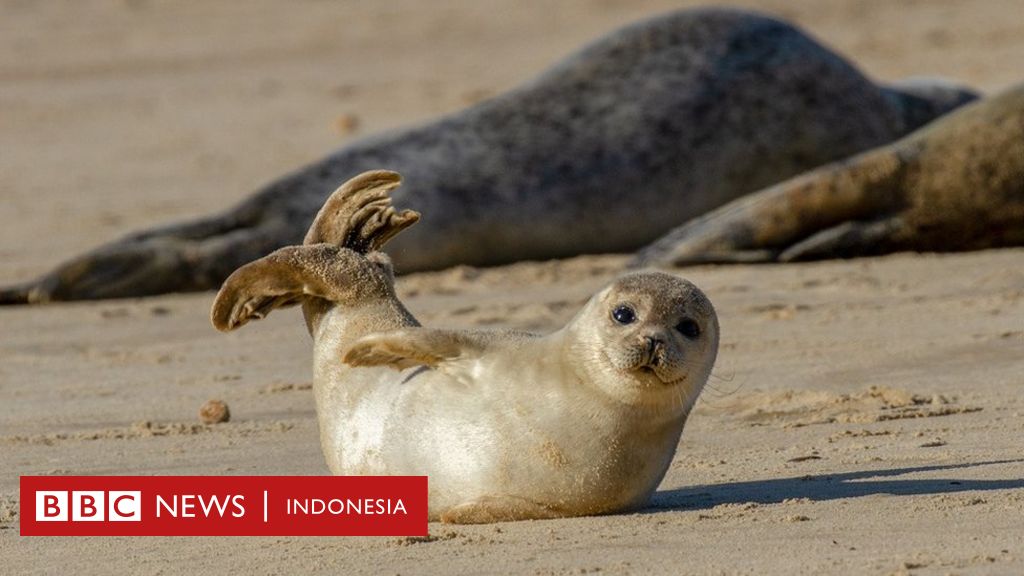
(655,334)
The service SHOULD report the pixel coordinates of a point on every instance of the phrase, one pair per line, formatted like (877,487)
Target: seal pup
(666,118)
(507,425)
(956,184)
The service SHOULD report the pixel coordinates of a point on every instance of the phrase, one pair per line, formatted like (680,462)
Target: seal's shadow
(829,487)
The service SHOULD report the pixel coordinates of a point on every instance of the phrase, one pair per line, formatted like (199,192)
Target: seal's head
(648,339)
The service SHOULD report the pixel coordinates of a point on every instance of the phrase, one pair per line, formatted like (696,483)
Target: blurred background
(120,114)
(117,115)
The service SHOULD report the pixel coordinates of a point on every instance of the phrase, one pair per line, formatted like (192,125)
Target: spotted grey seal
(664,119)
(507,425)
(956,184)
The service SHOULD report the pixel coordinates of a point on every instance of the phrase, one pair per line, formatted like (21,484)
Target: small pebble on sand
(214,412)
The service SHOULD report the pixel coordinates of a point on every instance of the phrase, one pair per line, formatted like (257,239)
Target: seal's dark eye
(688,328)
(623,314)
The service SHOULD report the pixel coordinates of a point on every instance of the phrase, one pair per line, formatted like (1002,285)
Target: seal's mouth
(648,371)
(653,361)
(675,382)
(652,371)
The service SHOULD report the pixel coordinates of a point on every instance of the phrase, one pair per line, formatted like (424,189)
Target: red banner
(223,506)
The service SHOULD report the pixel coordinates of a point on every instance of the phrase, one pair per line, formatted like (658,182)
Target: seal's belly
(472,444)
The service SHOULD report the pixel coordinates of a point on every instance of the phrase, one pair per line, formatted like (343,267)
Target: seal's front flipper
(761,226)
(848,240)
(408,347)
(488,509)
(291,275)
(434,348)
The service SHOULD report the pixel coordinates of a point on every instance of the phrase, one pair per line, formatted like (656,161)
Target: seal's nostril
(652,343)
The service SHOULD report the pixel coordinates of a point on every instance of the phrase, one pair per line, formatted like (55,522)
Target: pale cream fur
(506,425)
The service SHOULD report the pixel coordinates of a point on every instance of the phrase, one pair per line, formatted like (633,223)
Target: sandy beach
(865,417)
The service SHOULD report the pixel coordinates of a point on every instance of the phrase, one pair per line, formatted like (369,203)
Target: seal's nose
(654,345)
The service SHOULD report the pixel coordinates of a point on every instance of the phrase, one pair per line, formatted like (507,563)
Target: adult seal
(507,425)
(956,184)
(656,123)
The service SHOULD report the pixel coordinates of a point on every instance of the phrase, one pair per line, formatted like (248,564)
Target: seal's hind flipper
(488,509)
(359,214)
(17,294)
(198,255)
(337,263)
(290,275)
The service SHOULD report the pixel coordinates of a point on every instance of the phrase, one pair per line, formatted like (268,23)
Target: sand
(865,417)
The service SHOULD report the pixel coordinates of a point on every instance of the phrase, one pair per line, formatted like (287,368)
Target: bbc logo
(89,506)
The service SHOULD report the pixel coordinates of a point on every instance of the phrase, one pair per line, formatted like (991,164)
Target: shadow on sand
(830,487)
